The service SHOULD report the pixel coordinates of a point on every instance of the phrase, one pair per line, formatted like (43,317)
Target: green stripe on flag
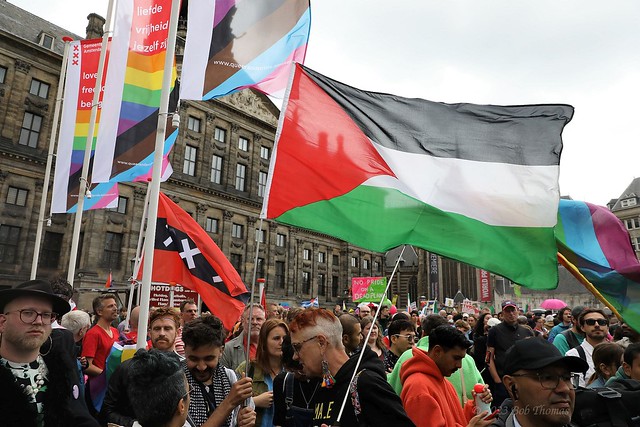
(378,219)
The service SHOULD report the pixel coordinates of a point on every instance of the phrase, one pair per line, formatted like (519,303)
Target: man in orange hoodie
(428,398)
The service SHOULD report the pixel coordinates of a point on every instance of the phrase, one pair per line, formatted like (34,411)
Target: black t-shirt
(502,337)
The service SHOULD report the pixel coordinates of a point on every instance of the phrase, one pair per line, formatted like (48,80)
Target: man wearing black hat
(36,387)
(500,338)
(540,381)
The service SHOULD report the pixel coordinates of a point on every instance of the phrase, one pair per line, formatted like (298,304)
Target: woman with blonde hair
(265,367)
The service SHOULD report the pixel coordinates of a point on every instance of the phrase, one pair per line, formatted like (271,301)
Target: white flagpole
(150,235)
(87,149)
(52,144)
(253,289)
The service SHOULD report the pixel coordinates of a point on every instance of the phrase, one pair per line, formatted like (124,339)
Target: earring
(327,379)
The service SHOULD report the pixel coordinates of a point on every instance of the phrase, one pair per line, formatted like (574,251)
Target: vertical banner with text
(132,93)
(433,276)
(80,82)
(485,285)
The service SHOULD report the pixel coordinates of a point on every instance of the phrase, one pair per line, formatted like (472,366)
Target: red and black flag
(185,254)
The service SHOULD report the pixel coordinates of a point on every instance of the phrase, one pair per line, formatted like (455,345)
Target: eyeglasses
(551,381)
(188,393)
(410,337)
(298,345)
(601,322)
(29,316)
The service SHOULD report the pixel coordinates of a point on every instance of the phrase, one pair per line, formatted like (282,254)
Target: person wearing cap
(540,382)
(38,387)
(499,339)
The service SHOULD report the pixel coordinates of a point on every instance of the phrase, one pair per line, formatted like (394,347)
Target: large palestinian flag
(475,183)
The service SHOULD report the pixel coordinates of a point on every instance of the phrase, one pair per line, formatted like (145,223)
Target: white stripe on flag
(113,88)
(196,52)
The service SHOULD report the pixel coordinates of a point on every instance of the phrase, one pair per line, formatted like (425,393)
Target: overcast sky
(580,52)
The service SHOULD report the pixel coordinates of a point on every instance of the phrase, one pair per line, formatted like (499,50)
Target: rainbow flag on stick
(132,93)
(594,246)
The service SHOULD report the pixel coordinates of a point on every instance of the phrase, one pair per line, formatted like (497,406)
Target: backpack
(571,338)
(608,407)
(295,416)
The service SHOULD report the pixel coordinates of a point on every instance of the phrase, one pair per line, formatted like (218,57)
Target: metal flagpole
(152,220)
(89,144)
(52,143)
(253,289)
(366,339)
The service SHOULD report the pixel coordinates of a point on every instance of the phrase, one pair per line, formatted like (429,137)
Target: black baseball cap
(509,303)
(535,353)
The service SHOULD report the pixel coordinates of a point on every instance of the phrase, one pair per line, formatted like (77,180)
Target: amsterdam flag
(185,254)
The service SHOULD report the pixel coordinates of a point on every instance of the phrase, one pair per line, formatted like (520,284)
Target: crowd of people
(305,367)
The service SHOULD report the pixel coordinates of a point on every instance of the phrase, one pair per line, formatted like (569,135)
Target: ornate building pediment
(253,104)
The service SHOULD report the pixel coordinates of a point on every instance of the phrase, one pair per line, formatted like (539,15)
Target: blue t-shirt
(267,415)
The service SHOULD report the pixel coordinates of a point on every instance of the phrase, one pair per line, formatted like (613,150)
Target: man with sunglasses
(595,325)
(38,386)
(540,381)
(402,337)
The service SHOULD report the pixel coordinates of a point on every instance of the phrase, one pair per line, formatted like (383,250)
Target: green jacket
(259,386)
(469,373)
(619,375)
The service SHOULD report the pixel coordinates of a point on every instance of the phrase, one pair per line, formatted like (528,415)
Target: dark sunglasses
(601,322)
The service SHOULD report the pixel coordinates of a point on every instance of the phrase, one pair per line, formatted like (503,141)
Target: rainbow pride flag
(80,81)
(132,93)
(595,247)
(235,44)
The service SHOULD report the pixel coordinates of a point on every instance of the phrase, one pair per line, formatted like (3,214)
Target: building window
(335,280)
(190,155)
(211,225)
(354,262)
(632,223)
(628,202)
(306,254)
(265,152)
(306,282)
(281,240)
(237,231)
(376,266)
(321,257)
(243,144)
(261,235)
(122,205)
(365,264)
(112,249)
(236,261)
(193,124)
(216,169)
(336,260)
(280,278)
(241,172)
(46,40)
(51,248)
(9,238)
(17,196)
(3,74)
(219,134)
(262,183)
(39,88)
(322,286)
(30,131)
(635,242)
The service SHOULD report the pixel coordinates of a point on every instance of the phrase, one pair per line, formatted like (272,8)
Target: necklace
(308,401)
(35,381)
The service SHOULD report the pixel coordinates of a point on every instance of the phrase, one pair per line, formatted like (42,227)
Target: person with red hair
(316,337)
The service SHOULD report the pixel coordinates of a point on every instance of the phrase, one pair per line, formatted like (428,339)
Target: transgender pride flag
(132,93)
(235,44)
